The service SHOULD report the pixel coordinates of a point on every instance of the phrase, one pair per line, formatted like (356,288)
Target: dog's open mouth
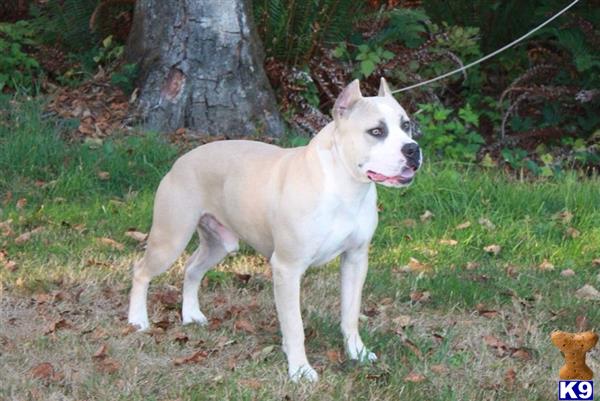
(405,177)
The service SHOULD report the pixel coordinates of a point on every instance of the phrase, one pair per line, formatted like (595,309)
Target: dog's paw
(362,356)
(194,317)
(140,324)
(303,373)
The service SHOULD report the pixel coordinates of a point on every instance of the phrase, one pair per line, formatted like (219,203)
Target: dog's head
(376,136)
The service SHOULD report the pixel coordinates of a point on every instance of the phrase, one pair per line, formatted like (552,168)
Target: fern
(404,25)
(66,22)
(294,30)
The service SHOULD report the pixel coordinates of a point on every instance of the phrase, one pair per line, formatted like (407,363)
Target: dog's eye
(405,126)
(375,132)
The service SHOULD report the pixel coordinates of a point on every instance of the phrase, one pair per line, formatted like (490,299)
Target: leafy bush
(18,69)
(370,58)
(448,133)
(423,49)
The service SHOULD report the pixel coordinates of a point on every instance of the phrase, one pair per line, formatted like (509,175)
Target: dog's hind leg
(216,242)
(176,216)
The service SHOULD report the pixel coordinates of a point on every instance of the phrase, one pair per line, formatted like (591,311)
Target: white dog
(298,207)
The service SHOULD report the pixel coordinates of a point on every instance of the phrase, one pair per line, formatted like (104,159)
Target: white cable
(511,44)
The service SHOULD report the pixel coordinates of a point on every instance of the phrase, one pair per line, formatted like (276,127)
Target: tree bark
(201,67)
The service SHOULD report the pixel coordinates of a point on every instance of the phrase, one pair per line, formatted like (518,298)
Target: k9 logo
(570,390)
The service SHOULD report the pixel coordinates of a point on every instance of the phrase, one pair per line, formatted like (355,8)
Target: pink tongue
(376,176)
(407,173)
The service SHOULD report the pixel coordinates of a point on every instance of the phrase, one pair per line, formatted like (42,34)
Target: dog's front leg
(286,284)
(354,265)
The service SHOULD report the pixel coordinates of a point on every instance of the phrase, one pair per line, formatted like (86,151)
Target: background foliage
(535,102)
(535,105)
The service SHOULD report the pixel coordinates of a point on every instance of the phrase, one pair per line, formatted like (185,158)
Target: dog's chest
(342,225)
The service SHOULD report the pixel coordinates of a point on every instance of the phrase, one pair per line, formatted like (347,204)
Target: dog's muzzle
(412,153)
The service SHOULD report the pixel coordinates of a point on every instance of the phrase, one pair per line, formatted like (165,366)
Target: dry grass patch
(74,343)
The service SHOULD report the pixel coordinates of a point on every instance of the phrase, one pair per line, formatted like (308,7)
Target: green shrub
(449,133)
(18,69)
(425,49)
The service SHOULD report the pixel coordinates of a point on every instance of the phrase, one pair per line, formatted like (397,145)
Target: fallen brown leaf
(99,334)
(546,265)
(493,249)
(128,330)
(464,225)
(26,236)
(334,355)
(107,365)
(402,321)
(413,347)
(565,216)
(5,261)
(101,352)
(414,377)
(162,324)
(415,266)
(244,325)
(180,337)
(104,175)
(214,323)
(420,296)
(573,232)
(56,325)
(451,242)
(45,371)
(111,243)
(487,223)
(169,297)
(10,265)
(512,270)
(588,292)
(439,369)
(567,273)
(485,312)
(21,203)
(243,278)
(250,383)
(136,235)
(224,341)
(426,216)
(371,311)
(6,229)
(521,353)
(510,377)
(196,357)
(596,262)
(499,346)
(472,265)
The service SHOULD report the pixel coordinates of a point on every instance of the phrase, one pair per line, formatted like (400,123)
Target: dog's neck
(329,153)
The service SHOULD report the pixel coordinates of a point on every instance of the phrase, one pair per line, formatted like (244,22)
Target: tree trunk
(201,67)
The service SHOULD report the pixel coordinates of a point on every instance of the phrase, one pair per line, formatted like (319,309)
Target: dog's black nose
(411,151)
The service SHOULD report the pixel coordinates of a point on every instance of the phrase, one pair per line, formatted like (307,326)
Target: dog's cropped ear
(384,89)
(350,95)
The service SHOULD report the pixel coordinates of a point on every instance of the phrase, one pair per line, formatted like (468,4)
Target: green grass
(88,281)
